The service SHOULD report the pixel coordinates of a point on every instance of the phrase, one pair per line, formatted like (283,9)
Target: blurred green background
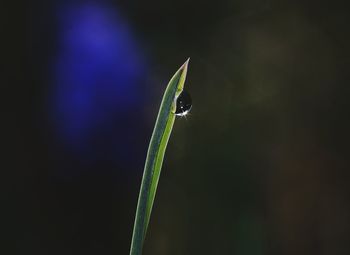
(260,166)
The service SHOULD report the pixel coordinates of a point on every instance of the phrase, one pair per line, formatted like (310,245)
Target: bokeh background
(260,166)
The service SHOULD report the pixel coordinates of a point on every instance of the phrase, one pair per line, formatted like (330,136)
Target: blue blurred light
(97,73)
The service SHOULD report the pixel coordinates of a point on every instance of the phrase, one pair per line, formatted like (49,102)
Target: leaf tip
(184,68)
(185,65)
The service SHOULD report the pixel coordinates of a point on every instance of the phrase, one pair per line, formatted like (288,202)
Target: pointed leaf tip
(184,66)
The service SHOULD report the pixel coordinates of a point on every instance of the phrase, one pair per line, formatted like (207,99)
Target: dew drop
(183,104)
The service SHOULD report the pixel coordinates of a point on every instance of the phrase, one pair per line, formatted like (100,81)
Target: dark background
(260,166)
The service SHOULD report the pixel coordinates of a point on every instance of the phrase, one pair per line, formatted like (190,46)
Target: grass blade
(155,155)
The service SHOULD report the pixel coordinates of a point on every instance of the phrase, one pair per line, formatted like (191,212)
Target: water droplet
(183,104)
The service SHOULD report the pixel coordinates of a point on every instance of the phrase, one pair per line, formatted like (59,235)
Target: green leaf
(155,155)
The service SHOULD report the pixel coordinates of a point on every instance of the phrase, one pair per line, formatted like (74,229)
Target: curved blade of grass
(155,155)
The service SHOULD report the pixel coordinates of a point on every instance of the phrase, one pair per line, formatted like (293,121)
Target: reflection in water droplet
(183,104)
